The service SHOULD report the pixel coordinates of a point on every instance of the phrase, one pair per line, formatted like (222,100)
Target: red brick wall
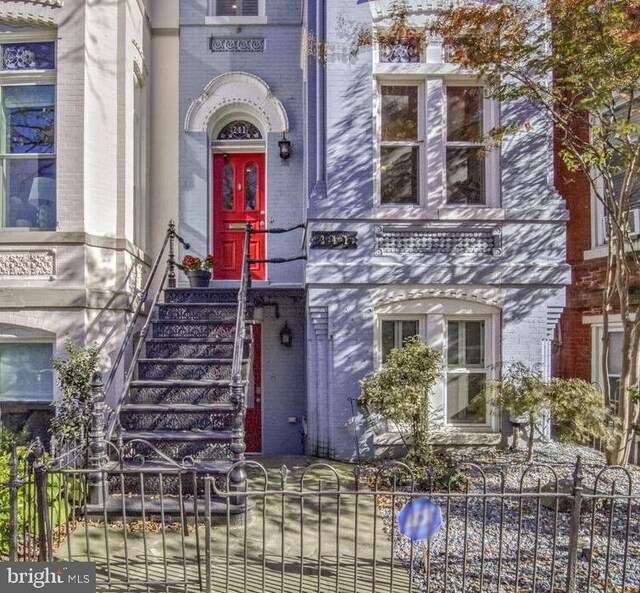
(572,353)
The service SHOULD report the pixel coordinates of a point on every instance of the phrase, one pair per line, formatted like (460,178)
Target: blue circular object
(419,519)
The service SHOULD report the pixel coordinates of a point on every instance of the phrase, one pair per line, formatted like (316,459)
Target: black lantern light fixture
(286,336)
(285,147)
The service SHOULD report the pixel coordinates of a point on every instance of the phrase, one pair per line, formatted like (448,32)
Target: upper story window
(236,9)
(400,145)
(464,146)
(431,145)
(27,133)
(618,178)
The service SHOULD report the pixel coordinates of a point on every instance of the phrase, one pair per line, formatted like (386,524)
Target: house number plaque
(334,240)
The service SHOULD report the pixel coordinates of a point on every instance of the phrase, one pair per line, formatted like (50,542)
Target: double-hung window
(466,372)
(27,133)
(624,114)
(395,332)
(400,145)
(432,149)
(465,163)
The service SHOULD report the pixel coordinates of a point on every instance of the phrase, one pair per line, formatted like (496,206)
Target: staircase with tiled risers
(180,404)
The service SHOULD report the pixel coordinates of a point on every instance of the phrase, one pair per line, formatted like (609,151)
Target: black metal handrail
(168,276)
(238,382)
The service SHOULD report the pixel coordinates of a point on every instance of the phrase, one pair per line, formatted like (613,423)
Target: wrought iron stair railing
(168,277)
(238,382)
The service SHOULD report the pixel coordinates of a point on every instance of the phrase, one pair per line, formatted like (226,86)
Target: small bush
(400,392)
(72,419)
(578,413)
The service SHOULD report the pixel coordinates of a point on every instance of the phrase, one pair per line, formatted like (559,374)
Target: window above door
(247,12)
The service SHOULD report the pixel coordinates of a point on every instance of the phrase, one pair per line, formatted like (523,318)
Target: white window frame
(421,319)
(31,402)
(598,235)
(432,105)
(466,370)
(419,142)
(596,352)
(433,317)
(30,78)
(213,19)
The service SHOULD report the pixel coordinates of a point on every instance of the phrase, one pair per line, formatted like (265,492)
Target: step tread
(224,321)
(211,304)
(179,435)
(156,466)
(181,383)
(211,361)
(179,408)
(192,340)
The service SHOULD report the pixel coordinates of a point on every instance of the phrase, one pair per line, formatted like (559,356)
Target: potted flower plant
(197,270)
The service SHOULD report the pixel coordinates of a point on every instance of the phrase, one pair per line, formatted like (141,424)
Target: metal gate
(323,527)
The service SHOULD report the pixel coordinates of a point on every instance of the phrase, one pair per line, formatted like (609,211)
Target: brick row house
(215,113)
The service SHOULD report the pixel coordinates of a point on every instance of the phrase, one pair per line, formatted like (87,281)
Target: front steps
(179,405)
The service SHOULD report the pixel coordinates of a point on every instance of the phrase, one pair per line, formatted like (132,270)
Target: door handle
(262,223)
(262,212)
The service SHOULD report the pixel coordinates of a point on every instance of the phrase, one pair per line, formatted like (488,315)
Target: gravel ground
(521,545)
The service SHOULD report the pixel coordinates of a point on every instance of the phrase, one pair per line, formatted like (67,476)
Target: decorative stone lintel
(27,263)
(236,44)
(402,241)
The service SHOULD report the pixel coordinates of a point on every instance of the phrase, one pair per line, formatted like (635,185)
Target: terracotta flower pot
(199,278)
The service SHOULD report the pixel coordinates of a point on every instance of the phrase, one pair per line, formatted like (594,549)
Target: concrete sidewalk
(313,549)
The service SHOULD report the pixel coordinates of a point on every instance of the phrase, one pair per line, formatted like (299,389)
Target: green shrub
(578,413)
(72,419)
(399,391)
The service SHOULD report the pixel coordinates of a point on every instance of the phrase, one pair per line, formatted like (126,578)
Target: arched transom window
(240,130)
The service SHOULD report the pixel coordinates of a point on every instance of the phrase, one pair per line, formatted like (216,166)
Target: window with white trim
(27,131)
(399,145)
(600,231)
(466,372)
(465,163)
(468,343)
(395,332)
(614,364)
(431,144)
(235,8)
(26,372)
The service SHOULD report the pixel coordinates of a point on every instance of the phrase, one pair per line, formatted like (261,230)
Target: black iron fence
(323,527)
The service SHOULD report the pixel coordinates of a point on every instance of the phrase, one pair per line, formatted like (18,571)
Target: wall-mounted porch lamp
(285,147)
(286,336)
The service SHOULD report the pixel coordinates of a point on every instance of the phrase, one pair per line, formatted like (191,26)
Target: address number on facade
(334,240)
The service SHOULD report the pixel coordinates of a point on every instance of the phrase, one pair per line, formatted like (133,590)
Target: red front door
(238,198)
(253,420)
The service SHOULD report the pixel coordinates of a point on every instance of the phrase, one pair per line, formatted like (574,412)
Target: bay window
(432,151)
(27,135)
